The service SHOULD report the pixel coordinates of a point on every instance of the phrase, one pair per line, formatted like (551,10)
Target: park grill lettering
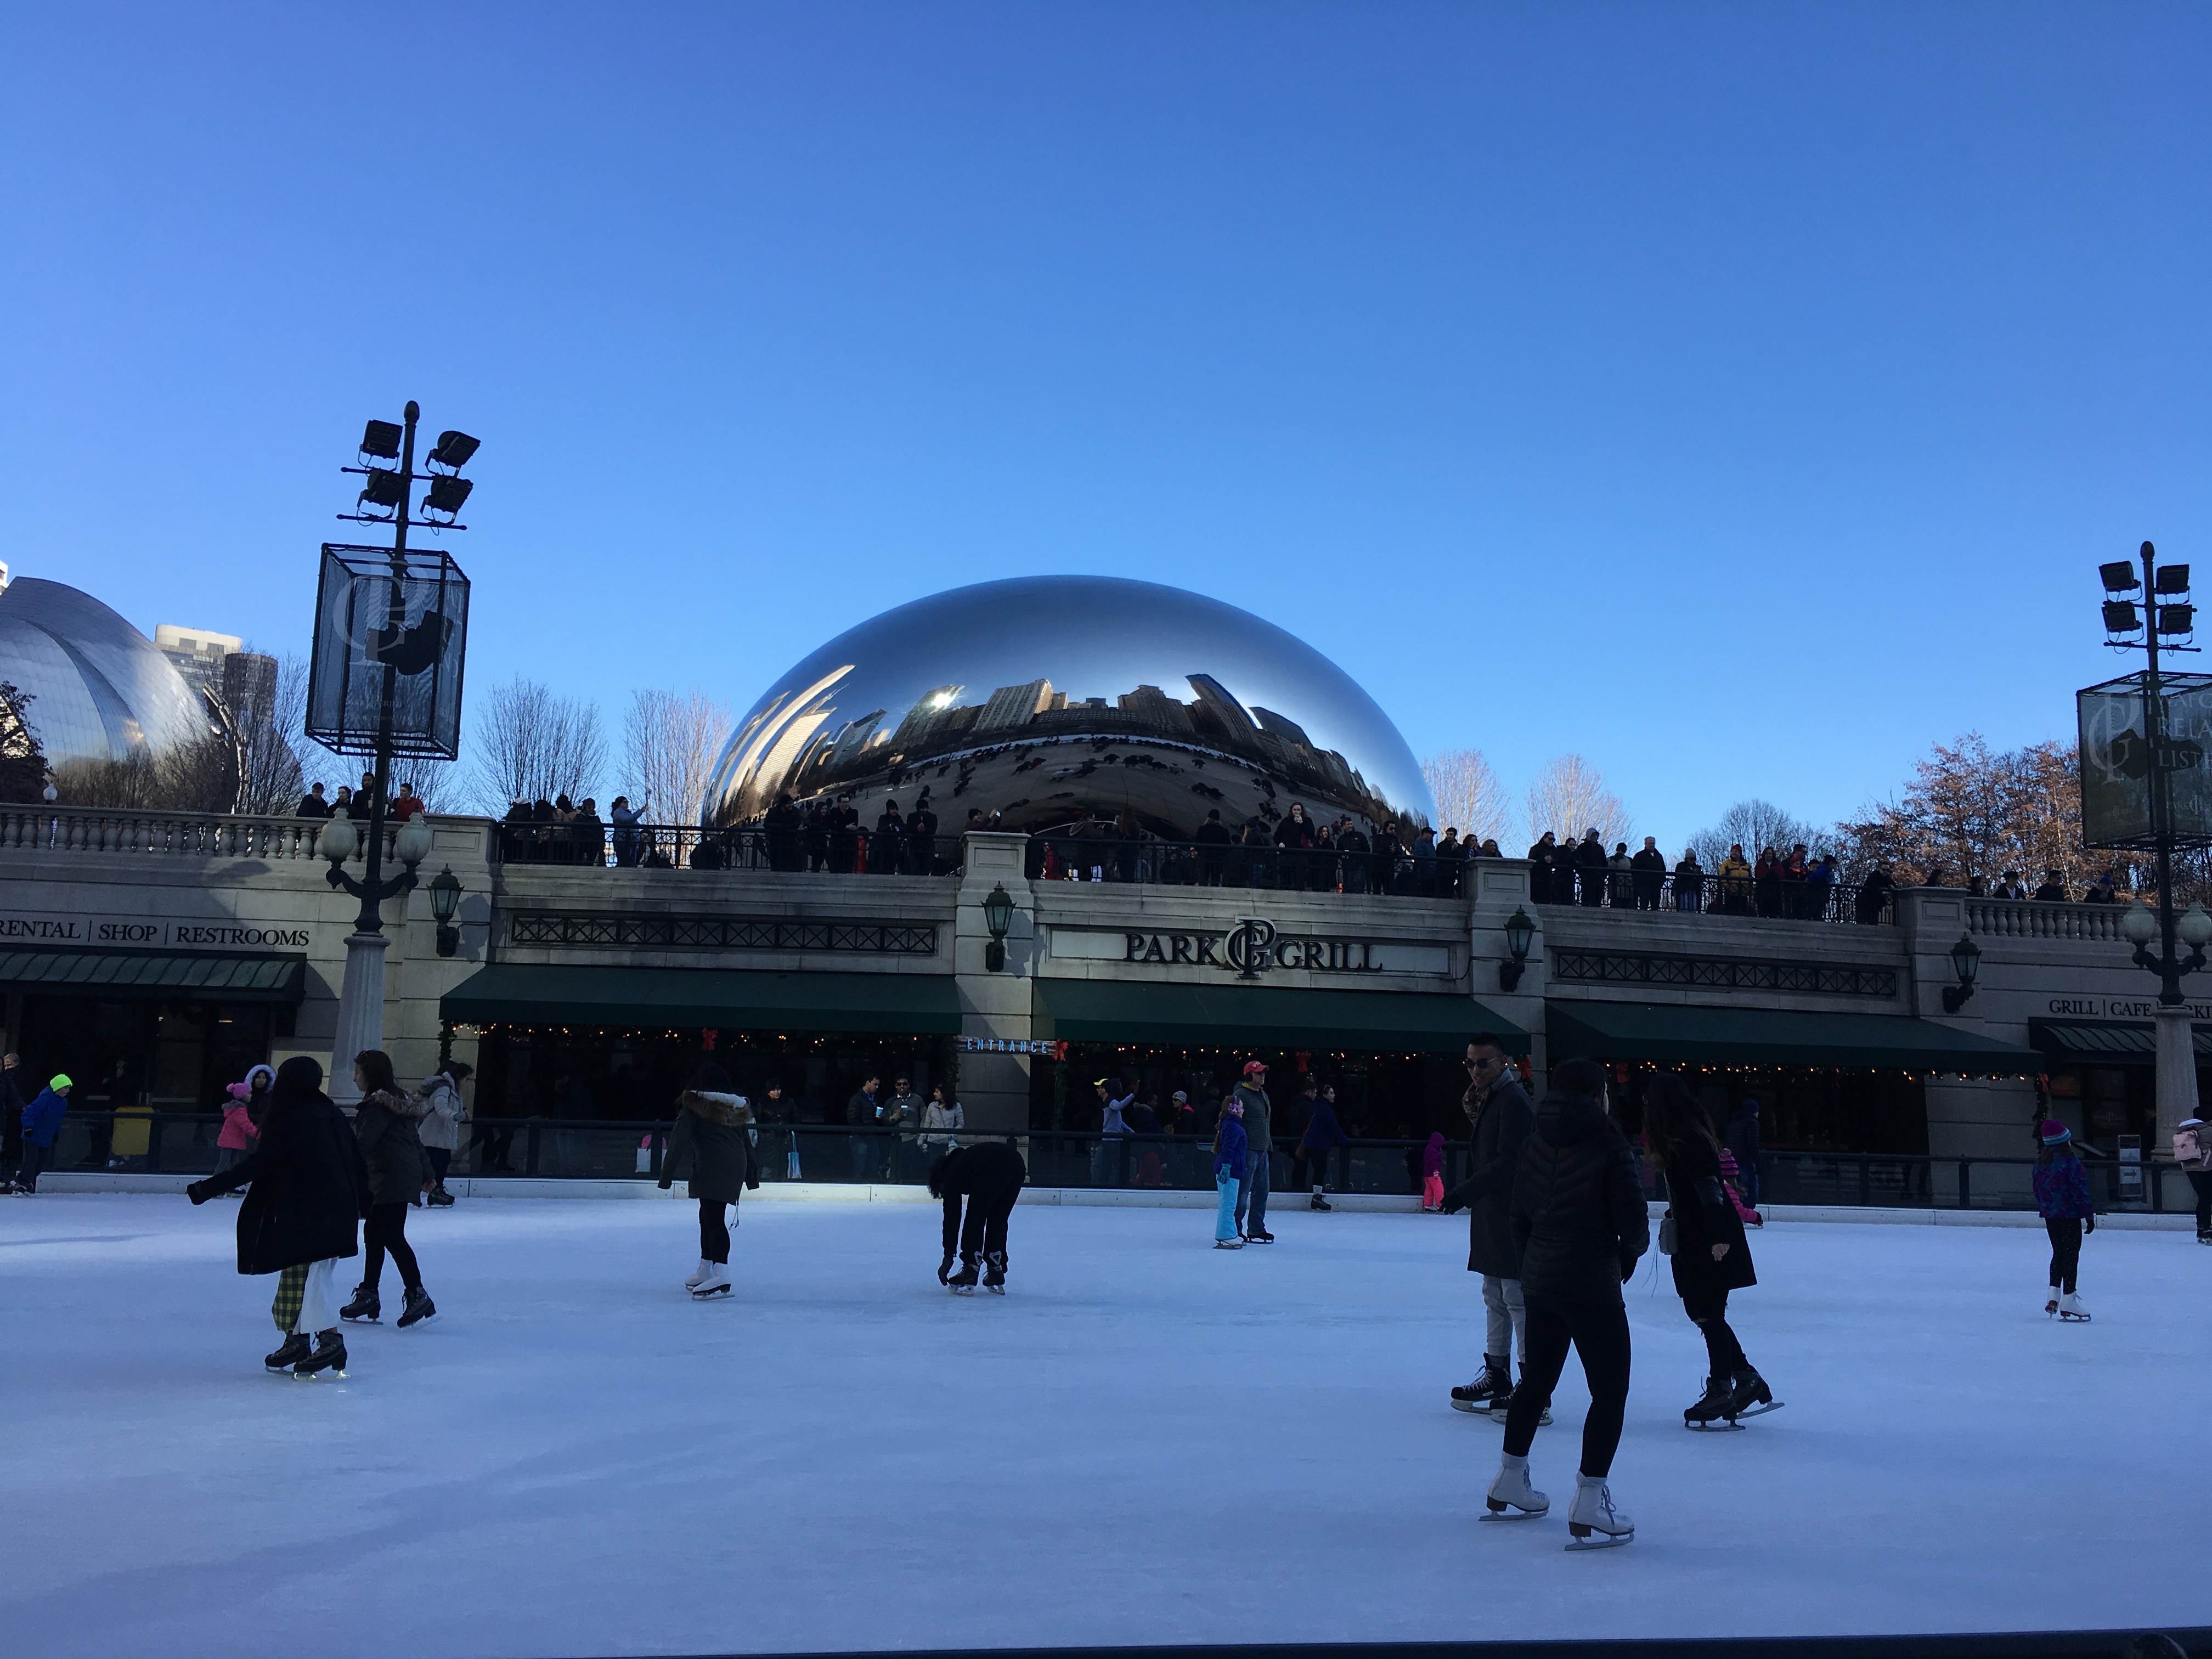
(1252,947)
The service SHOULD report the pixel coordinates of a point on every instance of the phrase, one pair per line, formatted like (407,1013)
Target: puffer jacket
(1578,1213)
(387,1126)
(709,1148)
(443,1113)
(1704,1217)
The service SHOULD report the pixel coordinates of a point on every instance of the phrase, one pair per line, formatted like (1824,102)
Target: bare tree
(1755,825)
(1568,796)
(672,744)
(23,757)
(532,745)
(1467,794)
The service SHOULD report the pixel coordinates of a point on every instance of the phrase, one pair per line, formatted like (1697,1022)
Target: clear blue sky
(1741,395)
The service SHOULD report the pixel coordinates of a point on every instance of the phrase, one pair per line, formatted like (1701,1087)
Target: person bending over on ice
(1711,1256)
(1579,1219)
(302,1213)
(989,1175)
(2062,1197)
(709,1148)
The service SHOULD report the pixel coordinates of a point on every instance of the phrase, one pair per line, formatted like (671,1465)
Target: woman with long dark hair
(1711,1257)
(387,1123)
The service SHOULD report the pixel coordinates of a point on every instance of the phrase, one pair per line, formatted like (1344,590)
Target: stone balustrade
(2031,919)
(177,835)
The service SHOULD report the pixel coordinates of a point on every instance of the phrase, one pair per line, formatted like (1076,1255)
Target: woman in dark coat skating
(388,1125)
(301,1213)
(1711,1256)
(710,1149)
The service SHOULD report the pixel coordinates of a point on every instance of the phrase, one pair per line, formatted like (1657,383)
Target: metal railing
(1222,864)
(688,846)
(183,1143)
(1704,893)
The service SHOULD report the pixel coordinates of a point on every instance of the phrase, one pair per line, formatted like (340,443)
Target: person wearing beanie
(1259,1152)
(301,1214)
(2192,1151)
(1499,1119)
(709,1149)
(989,1175)
(1229,1164)
(2061,1198)
(42,1121)
(239,1131)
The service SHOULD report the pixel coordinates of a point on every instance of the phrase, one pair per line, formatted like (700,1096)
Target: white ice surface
(1148,1442)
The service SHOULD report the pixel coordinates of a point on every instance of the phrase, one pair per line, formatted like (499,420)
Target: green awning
(904,1005)
(1770,1037)
(1263,1017)
(2095,1043)
(210,974)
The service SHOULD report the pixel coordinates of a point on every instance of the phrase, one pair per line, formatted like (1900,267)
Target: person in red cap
(1258,1133)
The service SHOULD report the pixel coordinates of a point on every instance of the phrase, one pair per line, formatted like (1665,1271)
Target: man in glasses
(1499,1110)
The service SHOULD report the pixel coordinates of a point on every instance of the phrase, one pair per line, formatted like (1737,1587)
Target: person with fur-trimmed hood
(710,1150)
(989,1175)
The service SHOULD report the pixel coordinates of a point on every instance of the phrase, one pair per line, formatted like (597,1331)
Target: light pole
(2153,759)
(390,639)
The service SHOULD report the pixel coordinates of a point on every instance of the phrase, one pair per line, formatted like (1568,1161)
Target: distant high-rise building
(925,720)
(196,652)
(1014,705)
(249,683)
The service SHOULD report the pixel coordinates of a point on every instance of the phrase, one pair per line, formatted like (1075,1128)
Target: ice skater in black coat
(989,1175)
(301,1215)
(1711,1256)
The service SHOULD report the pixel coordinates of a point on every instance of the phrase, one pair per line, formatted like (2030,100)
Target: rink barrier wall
(2195,1641)
(826,1192)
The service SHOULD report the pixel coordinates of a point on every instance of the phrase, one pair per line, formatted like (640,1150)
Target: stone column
(1497,887)
(994,1088)
(2176,1077)
(361,1013)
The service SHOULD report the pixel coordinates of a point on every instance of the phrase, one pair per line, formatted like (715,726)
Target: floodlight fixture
(2174,579)
(2121,617)
(446,494)
(453,450)
(384,488)
(381,440)
(2120,577)
(2177,618)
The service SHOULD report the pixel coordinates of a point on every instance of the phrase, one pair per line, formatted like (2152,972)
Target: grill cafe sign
(1249,949)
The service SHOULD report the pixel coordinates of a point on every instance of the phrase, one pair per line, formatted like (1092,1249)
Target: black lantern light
(998,916)
(1520,934)
(444,903)
(1965,962)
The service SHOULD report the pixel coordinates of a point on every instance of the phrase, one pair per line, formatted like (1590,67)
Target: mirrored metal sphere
(100,690)
(1055,701)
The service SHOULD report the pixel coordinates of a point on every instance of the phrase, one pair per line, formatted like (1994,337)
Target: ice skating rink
(1147,1441)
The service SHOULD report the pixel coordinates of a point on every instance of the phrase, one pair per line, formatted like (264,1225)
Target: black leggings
(387,1230)
(2202,1179)
(714,1231)
(1708,1311)
(984,1226)
(2065,1251)
(1599,1333)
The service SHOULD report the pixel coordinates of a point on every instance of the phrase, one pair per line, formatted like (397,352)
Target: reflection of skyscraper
(924,720)
(852,741)
(1014,705)
(1288,730)
(1215,697)
(1150,706)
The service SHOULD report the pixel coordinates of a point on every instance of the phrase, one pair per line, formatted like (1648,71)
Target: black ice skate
(1712,1411)
(1478,1395)
(297,1346)
(1749,1396)
(329,1355)
(1318,1202)
(1260,1235)
(367,1306)
(994,1272)
(419,1308)
(963,1282)
(1502,1405)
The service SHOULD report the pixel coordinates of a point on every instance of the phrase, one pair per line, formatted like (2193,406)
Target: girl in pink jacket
(239,1131)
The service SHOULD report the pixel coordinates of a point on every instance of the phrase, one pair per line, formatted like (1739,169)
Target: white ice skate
(2071,1310)
(1511,1491)
(2051,1303)
(716,1283)
(691,1280)
(1592,1512)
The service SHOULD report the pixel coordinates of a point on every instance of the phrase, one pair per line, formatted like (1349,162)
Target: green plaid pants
(291,1291)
